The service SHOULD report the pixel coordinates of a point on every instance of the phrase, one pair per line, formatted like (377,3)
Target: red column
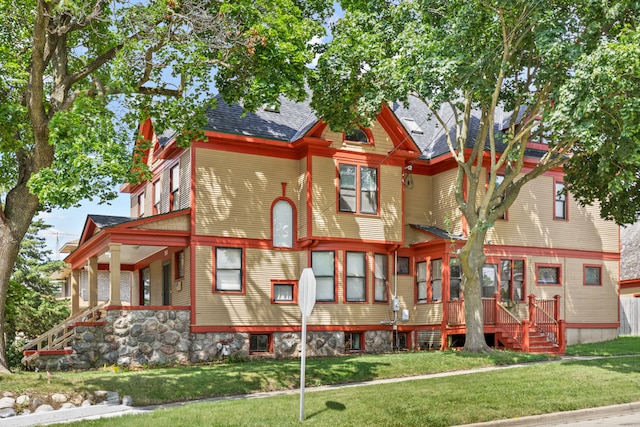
(532,309)
(525,336)
(556,315)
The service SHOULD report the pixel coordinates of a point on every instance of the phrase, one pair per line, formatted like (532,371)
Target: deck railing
(544,315)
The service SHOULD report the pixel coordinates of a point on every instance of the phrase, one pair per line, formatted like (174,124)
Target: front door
(166,283)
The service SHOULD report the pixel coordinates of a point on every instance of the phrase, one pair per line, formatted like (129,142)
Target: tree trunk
(472,259)
(19,209)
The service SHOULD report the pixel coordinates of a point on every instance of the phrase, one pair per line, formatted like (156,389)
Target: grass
(618,347)
(534,389)
(442,401)
(161,385)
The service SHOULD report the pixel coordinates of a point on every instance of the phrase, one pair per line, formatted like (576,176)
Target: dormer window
(356,134)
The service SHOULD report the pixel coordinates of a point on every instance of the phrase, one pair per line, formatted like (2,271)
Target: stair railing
(544,315)
(510,325)
(60,335)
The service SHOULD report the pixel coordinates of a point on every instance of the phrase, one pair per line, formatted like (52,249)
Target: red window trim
(387,291)
(155,207)
(141,205)
(566,201)
(584,274)
(366,278)
(362,341)
(558,266)
(367,132)
(335,273)
(293,283)
(176,256)
(173,192)
(410,273)
(294,213)
(243,283)
(358,189)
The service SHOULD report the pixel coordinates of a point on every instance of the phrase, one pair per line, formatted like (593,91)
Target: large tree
(32,307)
(468,59)
(71,71)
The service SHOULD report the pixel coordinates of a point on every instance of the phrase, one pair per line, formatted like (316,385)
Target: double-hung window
(512,280)
(229,269)
(455,278)
(436,280)
(421,278)
(356,268)
(323,266)
(175,188)
(560,207)
(358,189)
(380,278)
(141,204)
(157,197)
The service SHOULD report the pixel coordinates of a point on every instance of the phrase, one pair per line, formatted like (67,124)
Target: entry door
(166,283)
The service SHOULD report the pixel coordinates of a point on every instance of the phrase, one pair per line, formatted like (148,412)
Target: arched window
(356,134)
(282,224)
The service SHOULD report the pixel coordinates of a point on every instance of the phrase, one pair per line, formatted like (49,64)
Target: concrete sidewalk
(602,416)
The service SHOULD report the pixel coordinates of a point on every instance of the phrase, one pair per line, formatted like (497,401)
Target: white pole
(302,364)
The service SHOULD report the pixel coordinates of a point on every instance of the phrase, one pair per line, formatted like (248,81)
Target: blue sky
(67,223)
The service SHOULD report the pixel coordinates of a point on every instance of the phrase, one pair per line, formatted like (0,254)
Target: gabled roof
(432,139)
(289,123)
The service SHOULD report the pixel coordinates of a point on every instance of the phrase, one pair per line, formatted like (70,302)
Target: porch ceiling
(131,254)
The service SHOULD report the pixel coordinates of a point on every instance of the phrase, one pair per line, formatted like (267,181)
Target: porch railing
(544,316)
(59,336)
(455,312)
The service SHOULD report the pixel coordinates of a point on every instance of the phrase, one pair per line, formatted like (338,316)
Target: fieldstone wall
(162,337)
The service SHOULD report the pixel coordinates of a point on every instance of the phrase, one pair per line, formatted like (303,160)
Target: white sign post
(306,301)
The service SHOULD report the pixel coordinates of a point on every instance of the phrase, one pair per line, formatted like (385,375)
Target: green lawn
(534,389)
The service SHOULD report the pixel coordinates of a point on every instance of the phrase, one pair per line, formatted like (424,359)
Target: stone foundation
(161,337)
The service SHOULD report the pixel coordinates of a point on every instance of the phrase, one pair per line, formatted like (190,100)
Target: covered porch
(122,261)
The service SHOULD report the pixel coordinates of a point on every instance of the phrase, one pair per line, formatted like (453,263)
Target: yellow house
(207,265)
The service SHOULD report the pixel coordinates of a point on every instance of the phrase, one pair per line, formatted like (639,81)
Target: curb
(557,418)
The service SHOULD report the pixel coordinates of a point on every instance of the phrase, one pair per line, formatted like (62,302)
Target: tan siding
(181,292)
(443,203)
(235,192)
(417,201)
(180,223)
(530,223)
(208,310)
(155,273)
(382,143)
(419,314)
(327,221)
(579,303)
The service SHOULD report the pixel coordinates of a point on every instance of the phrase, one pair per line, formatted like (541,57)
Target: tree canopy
(78,76)
(553,64)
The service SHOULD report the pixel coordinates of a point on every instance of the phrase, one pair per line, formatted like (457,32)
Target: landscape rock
(7,413)
(44,408)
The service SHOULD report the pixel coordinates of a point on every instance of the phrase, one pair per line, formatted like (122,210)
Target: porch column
(75,291)
(93,282)
(114,274)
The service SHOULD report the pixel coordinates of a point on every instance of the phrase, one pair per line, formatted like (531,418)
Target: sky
(67,224)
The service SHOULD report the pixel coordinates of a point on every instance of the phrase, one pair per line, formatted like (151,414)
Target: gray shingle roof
(289,124)
(630,252)
(103,221)
(438,232)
